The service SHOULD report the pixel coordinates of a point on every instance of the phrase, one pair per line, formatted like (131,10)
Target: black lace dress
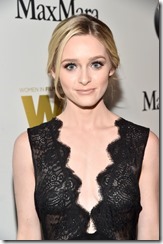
(116,215)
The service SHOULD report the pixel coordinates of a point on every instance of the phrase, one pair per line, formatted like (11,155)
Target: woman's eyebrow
(76,60)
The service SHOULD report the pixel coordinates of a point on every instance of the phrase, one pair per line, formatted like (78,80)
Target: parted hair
(78,25)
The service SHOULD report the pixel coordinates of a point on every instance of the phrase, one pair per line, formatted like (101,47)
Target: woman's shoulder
(41,126)
(131,128)
(53,123)
(153,137)
(21,152)
(22,140)
(153,142)
(132,124)
(138,130)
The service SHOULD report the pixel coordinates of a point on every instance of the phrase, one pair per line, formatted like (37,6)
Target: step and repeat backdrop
(26,94)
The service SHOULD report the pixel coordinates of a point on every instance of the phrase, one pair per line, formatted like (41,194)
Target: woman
(86,174)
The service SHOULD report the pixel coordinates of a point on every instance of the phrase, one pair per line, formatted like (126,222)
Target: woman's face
(85,69)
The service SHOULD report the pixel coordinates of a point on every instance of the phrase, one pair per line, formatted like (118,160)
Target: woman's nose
(84,78)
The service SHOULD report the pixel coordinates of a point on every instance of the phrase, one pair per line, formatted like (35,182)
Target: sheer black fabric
(57,188)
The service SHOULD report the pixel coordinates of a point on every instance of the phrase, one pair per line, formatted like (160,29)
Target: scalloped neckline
(117,123)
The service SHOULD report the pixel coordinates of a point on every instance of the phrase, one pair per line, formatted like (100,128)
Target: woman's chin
(87,104)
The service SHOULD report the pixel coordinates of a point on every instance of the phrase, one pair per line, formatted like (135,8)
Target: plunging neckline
(57,188)
(59,124)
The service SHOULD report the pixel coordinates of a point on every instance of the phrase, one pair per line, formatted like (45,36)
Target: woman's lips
(85,91)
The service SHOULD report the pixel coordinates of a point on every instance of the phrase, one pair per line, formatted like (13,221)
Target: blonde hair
(78,25)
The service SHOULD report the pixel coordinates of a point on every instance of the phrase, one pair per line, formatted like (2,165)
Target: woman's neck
(87,118)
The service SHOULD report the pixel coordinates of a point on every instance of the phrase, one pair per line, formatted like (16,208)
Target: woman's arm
(148,224)
(24,184)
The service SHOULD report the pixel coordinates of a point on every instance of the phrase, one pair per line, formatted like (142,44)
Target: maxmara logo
(150,101)
(32,9)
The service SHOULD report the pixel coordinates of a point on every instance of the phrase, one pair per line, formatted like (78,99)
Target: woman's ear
(111,72)
(53,74)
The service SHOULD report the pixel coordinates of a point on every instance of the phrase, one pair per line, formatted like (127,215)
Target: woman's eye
(70,66)
(97,65)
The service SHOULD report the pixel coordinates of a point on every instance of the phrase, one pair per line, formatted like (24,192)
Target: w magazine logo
(44,109)
(32,9)
(150,101)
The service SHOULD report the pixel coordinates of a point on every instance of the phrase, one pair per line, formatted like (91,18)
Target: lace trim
(116,214)
(59,125)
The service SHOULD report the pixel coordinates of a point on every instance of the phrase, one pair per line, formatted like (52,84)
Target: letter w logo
(44,108)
